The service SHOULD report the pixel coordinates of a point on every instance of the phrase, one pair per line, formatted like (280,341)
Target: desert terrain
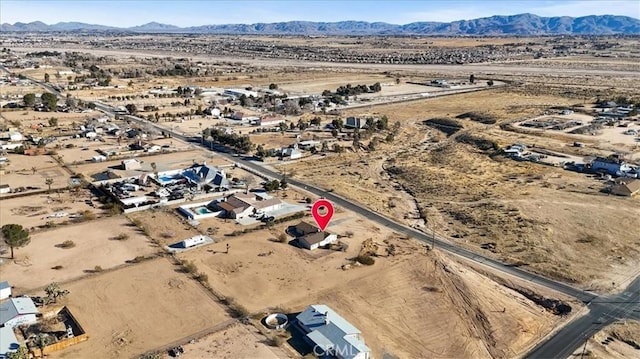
(436,163)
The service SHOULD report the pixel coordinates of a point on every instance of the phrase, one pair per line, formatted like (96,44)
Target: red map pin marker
(322,212)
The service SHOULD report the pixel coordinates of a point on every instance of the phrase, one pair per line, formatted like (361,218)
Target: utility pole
(584,348)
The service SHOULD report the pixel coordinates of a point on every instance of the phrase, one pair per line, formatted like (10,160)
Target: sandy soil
(94,246)
(19,172)
(614,342)
(138,308)
(32,211)
(237,341)
(260,273)
(536,214)
(165,226)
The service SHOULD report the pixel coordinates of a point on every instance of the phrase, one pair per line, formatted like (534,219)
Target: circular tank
(276,321)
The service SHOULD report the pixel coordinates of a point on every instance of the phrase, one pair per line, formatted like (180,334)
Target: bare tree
(248,181)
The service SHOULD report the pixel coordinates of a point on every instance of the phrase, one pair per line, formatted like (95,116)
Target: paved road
(603,310)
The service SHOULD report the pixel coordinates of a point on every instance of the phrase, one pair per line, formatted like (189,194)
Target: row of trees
(241,143)
(349,90)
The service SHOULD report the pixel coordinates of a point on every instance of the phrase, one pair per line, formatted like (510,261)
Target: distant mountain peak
(520,24)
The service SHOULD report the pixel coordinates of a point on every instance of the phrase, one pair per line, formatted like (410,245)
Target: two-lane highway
(603,310)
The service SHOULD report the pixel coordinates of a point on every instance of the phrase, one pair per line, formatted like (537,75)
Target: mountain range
(520,25)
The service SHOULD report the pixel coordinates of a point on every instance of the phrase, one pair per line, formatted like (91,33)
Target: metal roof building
(331,334)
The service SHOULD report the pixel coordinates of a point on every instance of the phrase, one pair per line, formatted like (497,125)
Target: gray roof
(8,341)
(16,306)
(330,331)
(5,284)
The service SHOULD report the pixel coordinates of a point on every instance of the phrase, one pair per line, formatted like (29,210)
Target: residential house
(8,341)
(206,177)
(18,311)
(612,165)
(270,120)
(240,205)
(626,187)
(311,237)
(355,122)
(238,116)
(5,188)
(330,334)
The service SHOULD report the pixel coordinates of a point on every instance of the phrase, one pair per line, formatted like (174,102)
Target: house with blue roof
(331,335)
(203,175)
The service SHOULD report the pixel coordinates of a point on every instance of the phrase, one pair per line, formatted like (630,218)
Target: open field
(260,273)
(138,308)
(28,118)
(25,171)
(94,246)
(617,341)
(33,211)
(536,215)
(237,341)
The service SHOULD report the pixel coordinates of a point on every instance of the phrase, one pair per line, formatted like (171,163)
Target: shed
(99,158)
(5,290)
(131,164)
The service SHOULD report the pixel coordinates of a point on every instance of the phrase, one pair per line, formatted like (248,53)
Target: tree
(48,181)
(338,123)
(154,168)
(46,77)
(490,83)
(41,341)
(260,152)
(54,292)
(15,236)
(49,100)
(21,353)
(271,186)
(325,146)
(29,99)
(273,86)
(472,79)
(283,183)
(131,108)
(248,181)
(53,122)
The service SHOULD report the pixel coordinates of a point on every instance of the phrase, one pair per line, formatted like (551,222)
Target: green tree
(260,152)
(21,353)
(48,181)
(15,236)
(131,108)
(53,122)
(29,99)
(46,77)
(472,79)
(490,83)
(54,292)
(41,341)
(49,100)
(283,183)
(273,86)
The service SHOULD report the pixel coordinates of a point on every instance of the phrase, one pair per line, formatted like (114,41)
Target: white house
(4,188)
(98,158)
(18,311)
(5,290)
(331,335)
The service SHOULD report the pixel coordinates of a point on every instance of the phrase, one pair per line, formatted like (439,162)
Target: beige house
(626,187)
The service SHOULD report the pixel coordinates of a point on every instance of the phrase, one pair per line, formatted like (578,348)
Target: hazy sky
(202,12)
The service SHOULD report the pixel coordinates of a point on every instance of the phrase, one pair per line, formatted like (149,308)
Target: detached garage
(316,240)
